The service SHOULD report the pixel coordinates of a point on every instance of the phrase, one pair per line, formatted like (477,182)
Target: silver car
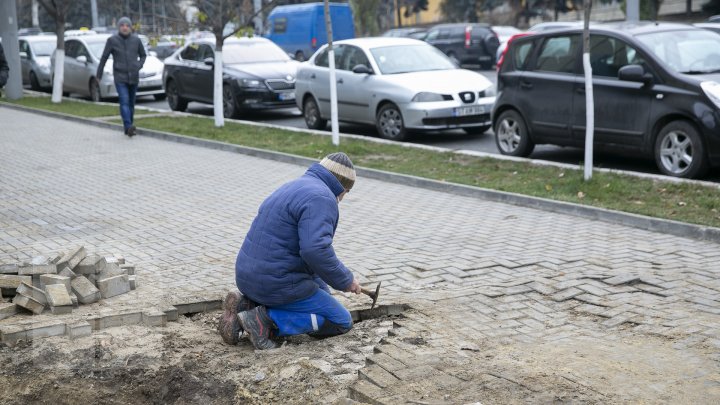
(82,57)
(35,54)
(397,84)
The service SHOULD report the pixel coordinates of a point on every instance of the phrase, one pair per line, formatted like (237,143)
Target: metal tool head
(375,295)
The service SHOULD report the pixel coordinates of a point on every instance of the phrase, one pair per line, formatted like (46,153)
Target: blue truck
(299,29)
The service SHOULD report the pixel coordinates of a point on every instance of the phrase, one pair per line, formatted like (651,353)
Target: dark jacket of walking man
(128,55)
(4,69)
(287,261)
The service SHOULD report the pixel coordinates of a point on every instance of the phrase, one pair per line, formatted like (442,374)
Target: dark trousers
(126,94)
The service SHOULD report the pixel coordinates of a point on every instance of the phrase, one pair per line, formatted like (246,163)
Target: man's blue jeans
(126,94)
(319,315)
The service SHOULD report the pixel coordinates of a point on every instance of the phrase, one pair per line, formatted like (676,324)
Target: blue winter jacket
(287,254)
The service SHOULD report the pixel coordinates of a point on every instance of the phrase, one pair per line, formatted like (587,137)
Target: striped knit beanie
(341,167)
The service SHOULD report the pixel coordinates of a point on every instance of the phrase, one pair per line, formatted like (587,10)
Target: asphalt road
(456,140)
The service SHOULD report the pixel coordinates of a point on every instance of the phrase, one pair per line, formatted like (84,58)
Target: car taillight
(507,46)
(468,36)
(313,42)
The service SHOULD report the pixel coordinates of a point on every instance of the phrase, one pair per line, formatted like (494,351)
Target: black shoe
(131,131)
(125,131)
(259,327)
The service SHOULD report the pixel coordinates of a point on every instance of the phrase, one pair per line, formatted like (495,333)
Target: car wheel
(159,97)
(476,130)
(389,122)
(230,108)
(34,83)
(175,101)
(311,113)
(679,151)
(95,91)
(511,135)
(300,56)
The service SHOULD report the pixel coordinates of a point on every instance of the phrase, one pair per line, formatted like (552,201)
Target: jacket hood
(320,172)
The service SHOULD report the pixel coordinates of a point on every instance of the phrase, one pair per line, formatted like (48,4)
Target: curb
(671,227)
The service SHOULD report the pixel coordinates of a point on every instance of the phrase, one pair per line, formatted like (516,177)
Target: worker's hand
(354,287)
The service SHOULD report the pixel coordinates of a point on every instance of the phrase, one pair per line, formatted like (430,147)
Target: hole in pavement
(380,311)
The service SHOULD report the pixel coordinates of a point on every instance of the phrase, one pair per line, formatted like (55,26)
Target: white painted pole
(94,13)
(333,81)
(218,90)
(35,14)
(58,76)
(589,100)
(632,10)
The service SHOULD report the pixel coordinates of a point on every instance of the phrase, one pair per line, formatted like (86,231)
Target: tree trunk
(333,81)
(218,79)
(59,73)
(589,102)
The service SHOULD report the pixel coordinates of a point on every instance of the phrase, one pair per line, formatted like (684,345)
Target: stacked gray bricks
(61,282)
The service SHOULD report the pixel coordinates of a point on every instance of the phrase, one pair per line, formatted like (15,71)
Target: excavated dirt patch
(183,363)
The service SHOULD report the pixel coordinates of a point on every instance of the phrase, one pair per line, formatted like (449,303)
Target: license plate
(470,110)
(286,96)
(150,83)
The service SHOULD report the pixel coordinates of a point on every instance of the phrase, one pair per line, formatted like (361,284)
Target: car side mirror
(23,55)
(82,59)
(634,73)
(362,70)
(209,62)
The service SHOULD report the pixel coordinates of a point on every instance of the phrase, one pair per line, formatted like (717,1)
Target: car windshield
(44,48)
(691,51)
(410,58)
(253,52)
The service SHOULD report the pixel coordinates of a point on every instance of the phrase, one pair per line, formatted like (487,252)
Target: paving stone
(85,291)
(58,296)
(28,303)
(129,268)
(119,319)
(78,329)
(9,281)
(113,286)
(171,313)
(66,272)
(92,264)
(133,282)
(377,375)
(567,294)
(50,279)
(72,258)
(32,292)
(37,269)
(386,362)
(7,310)
(366,392)
(154,318)
(111,270)
(61,310)
(10,268)
(621,279)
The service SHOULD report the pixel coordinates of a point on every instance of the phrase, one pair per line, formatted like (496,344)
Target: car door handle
(312,76)
(526,85)
(341,81)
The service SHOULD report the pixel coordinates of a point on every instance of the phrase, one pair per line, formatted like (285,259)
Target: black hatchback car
(656,93)
(470,44)
(257,75)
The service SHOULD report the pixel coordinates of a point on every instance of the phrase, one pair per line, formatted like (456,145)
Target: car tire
(511,135)
(311,113)
(175,101)
(300,56)
(94,89)
(680,152)
(34,83)
(476,130)
(160,97)
(390,124)
(230,106)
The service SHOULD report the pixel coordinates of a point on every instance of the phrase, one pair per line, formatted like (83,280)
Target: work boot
(131,131)
(229,326)
(259,327)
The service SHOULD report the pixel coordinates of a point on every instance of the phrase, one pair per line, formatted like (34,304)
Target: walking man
(4,69)
(287,262)
(128,55)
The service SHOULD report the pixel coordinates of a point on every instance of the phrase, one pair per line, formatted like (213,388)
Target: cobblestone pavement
(473,271)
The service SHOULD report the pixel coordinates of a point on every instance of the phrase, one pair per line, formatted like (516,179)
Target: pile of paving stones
(62,281)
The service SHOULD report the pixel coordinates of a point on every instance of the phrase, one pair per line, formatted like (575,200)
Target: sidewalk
(508,304)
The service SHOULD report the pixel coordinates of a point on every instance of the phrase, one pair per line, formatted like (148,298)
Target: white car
(396,84)
(82,57)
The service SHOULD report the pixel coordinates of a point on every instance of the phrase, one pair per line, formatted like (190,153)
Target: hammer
(373,295)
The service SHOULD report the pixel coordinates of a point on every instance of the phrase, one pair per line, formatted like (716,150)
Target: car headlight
(427,97)
(489,92)
(712,90)
(249,83)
